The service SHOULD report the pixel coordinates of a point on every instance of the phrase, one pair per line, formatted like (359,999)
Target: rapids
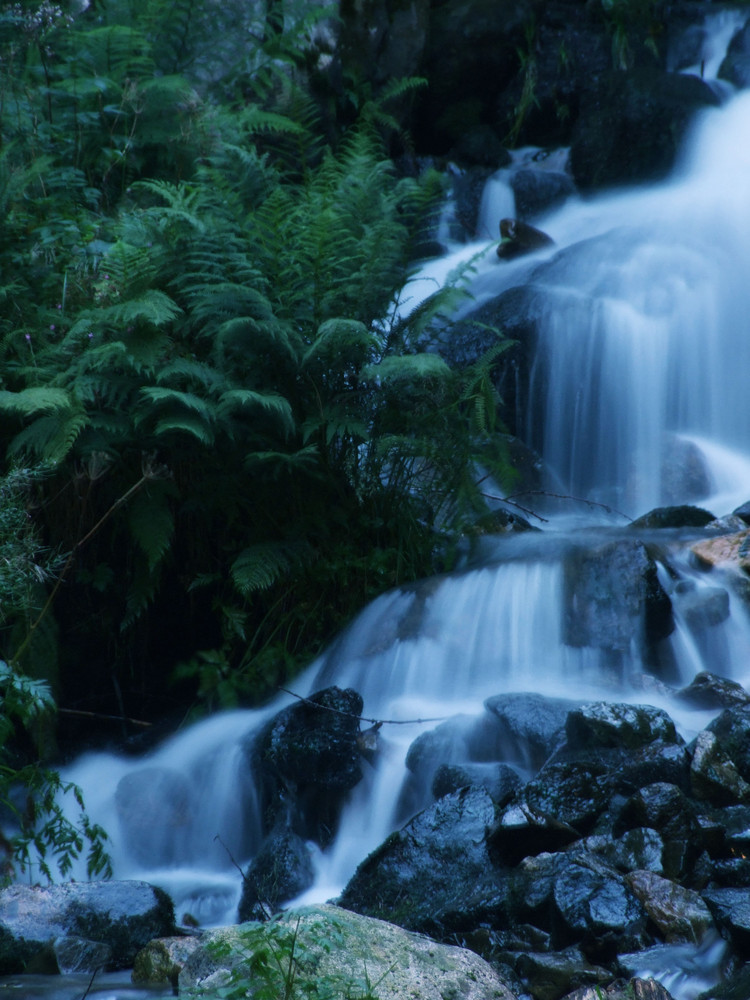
(644,337)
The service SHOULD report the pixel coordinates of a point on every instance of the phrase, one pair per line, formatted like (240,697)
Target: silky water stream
(644,341)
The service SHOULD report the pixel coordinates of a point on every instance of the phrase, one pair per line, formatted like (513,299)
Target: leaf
(408,366)
(151,523)
(274,405)
(259,567)
(37,399)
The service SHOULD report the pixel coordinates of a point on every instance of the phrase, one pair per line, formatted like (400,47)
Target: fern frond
(186,425)
(151,523)
(153,307)
(234,400)
(259,567)
(34,400)
(408,366)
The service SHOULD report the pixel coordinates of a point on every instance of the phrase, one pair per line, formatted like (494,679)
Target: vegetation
(243,443)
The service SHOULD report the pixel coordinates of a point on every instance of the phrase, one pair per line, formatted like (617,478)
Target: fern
(260,566)
(151,523)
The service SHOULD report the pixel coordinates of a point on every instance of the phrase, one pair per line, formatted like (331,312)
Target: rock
(571,792)
(77,955)
(731,911)
(309,754)
(518,238)
(382,40)
(612,596)
(631,126)
(153,805)
(622,726)
(713,776)
(725,551)
(162,960)
(521,832)
(500,781)
(638,849)
(743,512)
(684,516)
(735,67)
(280,871)
(538,191)
(550,974)
(458,740)
(122,915)
(430,873)
(679,914)
(665,808)
(732,731)
(581,900)
(707,690)
(344,953)
(530,726)
(684,474)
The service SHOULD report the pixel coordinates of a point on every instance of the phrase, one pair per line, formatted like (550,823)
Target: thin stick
(100,715)
(362,718)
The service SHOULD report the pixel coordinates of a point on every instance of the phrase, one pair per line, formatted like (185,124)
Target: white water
(645,338)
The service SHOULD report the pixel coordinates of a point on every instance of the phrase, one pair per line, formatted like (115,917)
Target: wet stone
(500,781)
(707,690)
(618,725)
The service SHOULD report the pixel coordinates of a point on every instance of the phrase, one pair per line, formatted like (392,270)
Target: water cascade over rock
(631,380)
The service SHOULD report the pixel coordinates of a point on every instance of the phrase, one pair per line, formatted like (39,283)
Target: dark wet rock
(656,762)
(735,827)
(684,516)
(380,41)
(582,900)
(713,776)
(521,832)
(665,808)
(122,915)
(612,596)
(735,67)
(601,725)
(500,781)
(743,512)
(639,849)
(702,607)
(280,871)
(732,731)
(162,960)
(679,914)
(631,126)
(707,690)
(310,753)
(531,726)
(538,191)
(434,874)
(153,805)
(571,792)
(550,974)
(729,873)
(731,911)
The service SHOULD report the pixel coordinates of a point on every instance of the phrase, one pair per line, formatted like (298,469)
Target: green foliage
(199,283)
(36,829)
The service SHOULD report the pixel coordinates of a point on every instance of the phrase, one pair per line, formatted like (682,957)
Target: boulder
(684,473)
(521,832)
(701,607)
(538,191)
(77,955)
(433,874)
(310,755)
(280,871)
(735,67)
(665,808)
(124,916)
(530,726)
(602,725)
(623,989)
(682,516)
(679,914)
(612,597)
(707,690)
(572,792)
(518,238)
(732,731)
(550,974)
(731,911)
(713,776)
(730,552)
(340,953)
(579,899)
(162,960)
(743,512)
(631,125)
(638,849)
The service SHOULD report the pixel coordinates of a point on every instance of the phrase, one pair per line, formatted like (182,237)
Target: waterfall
(643,346)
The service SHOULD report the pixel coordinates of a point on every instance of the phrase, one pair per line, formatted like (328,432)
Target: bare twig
(100,715)
(362,718)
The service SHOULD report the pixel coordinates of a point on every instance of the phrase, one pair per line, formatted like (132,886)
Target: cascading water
(643,341)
